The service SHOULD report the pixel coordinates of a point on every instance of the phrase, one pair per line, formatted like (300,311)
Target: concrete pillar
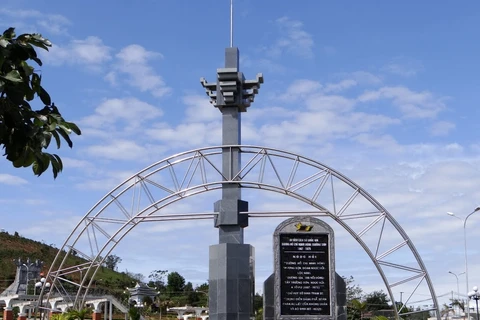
(52,312)
(22,316)
(97,315)
(8,313)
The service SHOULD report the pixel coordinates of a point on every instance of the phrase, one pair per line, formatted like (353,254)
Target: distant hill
(15,246)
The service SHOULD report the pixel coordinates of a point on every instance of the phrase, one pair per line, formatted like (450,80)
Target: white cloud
(130,113)
(305,88)
(199,109)
(410,103)
(59,226)
(104,181)
(11,179)
(75,163)
(340,86)
(91,53)
(301,88)
(188,135)
(364,78)
(48,23)
(453,147)
(321,126)
(132,61)
(263,64)
(404,67)
(441,128)
(385,142)
(329,102)
(294,39)
(118,149)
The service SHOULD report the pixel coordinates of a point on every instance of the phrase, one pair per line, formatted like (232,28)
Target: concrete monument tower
(231,261)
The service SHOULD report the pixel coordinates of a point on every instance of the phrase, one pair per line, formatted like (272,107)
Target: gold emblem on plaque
(303,227)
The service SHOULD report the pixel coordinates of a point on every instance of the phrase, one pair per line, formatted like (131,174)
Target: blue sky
(386,93)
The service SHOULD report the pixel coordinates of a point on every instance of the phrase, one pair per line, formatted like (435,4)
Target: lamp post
(475,295)
(465,247)
(205,293)
(40,284)
(458,288)
(26,283)
(159,302)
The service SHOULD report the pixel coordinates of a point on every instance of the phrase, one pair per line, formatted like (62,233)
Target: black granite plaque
(304,274)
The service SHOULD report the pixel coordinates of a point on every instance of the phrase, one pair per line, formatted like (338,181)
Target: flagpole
(231,23)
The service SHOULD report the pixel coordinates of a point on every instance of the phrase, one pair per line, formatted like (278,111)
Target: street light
(40,284)
(458,288)
(159,302)
(26,286)
(465,247)
(475,295)
(205,293)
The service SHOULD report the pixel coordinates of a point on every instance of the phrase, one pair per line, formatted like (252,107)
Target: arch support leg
(8,314)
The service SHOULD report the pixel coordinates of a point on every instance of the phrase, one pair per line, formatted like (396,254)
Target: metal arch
(198,171)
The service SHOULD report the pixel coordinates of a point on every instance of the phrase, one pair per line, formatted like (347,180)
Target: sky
(387,93)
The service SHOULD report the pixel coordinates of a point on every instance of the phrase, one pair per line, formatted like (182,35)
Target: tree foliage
(377,300)
(354,292)
(175,283)
(157,279)
(24,132)
(80,314)
(459,303)
(112,261)
(356,309)
(134,313)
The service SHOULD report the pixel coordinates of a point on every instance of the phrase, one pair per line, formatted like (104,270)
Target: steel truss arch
(142,197)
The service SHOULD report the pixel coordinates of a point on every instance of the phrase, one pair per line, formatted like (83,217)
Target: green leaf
(35,82)
(38,61)
(56,164)
(47,138)
(4,43)
(9,33)
(56,118)
(74,128)
(44,96)
(27,69)
(13,76)
(52,127)
(57,138)
(37,168)
(17,163)
(59,161)
(29,94)
(38,44)
(38,37)
(65,136)
(29,158)
(65,128)
(41,163)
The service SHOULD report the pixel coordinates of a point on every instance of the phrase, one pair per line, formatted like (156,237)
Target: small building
(139,292)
